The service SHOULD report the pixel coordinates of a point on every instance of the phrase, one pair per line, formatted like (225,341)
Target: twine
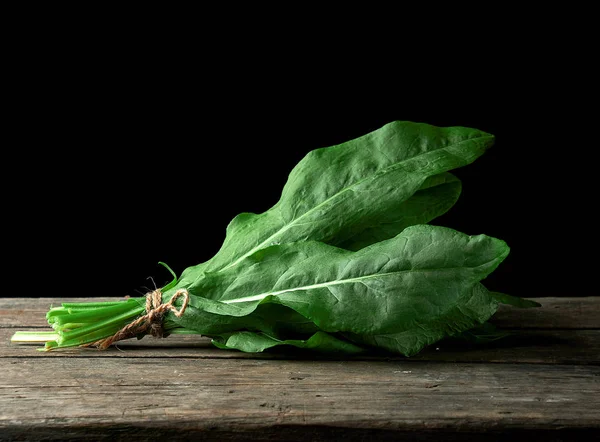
(151,322)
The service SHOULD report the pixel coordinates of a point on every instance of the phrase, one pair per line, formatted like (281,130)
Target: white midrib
(351,281)
(310,287)
(286,227)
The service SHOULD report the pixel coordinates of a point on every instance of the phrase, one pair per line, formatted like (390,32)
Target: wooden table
(541,384)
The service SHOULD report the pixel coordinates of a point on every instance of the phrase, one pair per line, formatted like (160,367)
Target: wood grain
(233,395)
(564,313)
(541,383)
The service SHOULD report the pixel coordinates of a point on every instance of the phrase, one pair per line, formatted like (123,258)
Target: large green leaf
(469,310)
(467,315)
(422,278)
(436,195)
(341,194)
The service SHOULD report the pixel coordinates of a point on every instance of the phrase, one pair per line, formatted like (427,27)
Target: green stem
(121,319)
(77,323)
(34,336)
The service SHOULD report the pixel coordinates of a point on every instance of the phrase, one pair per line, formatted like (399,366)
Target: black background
(129,146)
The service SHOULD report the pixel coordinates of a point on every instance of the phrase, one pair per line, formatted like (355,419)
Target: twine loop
(151,322)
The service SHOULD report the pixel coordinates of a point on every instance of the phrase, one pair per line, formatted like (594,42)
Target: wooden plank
(526,346)
(542,383)
(186,398)
(565,313)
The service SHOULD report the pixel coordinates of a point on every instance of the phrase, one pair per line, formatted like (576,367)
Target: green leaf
(344,255)
(257,342)
(465,312)
(422,279)
(515,301)
(482,334)
(338,194)
(434,198)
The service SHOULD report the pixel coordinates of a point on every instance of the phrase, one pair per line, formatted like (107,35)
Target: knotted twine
(151,322)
